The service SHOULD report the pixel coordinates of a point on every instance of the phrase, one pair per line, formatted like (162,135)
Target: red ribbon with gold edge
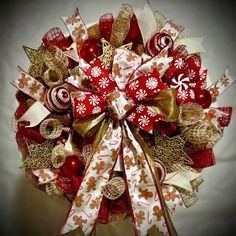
(110,100)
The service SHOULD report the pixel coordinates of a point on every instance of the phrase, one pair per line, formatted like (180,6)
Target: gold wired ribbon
(168,109)
(164,104)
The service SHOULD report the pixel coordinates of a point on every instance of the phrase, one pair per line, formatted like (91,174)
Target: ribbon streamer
(30,86)
(221,85)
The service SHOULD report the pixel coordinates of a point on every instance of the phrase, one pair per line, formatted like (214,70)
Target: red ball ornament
(167,128)
(73,166)
(203,98)
(90,50)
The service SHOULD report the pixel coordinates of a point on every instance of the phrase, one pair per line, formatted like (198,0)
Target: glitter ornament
(90,50)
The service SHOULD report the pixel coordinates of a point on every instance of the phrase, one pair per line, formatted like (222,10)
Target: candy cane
(115,142)
(102,177)
(100,157)
(88,199)
(118,58)
(156,197)
(135,184)
(128,67)
(143,204)
(89,215)
(134,172)
(84,179)
(149,220)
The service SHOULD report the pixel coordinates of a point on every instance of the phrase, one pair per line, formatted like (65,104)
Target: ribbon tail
(221,85)
(30,86)
(85,208)
(149,208)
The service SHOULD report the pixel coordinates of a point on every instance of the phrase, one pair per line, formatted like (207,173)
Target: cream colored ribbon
(35,114)
(193,44)
(146,21)
(181,178)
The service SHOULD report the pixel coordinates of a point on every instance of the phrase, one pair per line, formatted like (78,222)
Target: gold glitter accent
(107,51)
(170,151)
(56,60)
(190,113)
(52,78)
(50,128)
(114,188)
(39,156)
(189,198)
(94,32)
(35,56)
(53,189)
(121,25)
(58,156)
(201,135)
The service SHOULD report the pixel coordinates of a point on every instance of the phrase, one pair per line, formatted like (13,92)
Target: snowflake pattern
(151,113)
(81,96)
(80,108)
(131,117)
(144,120)
(94,100)
(141,94)
(103,82)
(140,108)
(183,94)
(134,85)
(197,61)
(151,83)
(96,110)
(96,71)
(191,74)
(179,63)
(192,94)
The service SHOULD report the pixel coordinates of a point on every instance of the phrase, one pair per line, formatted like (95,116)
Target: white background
(26,211)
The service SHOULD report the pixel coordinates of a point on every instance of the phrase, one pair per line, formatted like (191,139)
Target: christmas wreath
(117,118)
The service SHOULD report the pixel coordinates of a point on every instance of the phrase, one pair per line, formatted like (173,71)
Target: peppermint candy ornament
(180,82)
(158,42)
(57,99)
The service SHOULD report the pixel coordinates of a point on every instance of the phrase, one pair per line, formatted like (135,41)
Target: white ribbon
(35,114)
(193,44)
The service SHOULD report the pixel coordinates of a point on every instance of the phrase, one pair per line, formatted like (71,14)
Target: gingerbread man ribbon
(135,93)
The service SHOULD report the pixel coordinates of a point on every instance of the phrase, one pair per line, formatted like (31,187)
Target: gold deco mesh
(58,156)
(52,78)
(39,156)
(53,189)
